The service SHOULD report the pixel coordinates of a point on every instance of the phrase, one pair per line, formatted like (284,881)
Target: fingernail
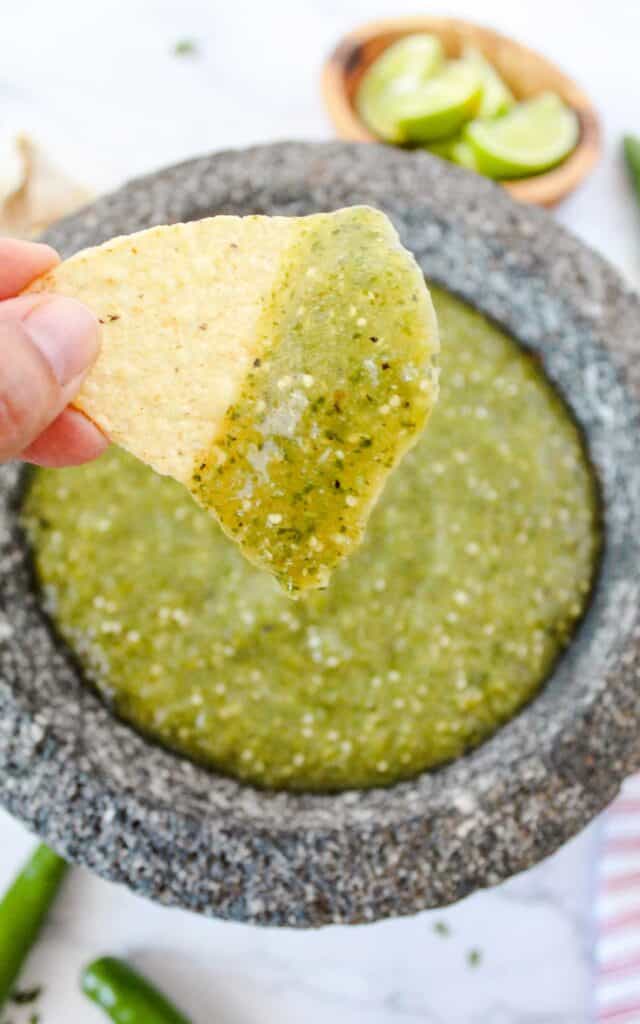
(66,333)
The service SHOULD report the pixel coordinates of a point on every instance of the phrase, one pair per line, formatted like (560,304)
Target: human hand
(47,344)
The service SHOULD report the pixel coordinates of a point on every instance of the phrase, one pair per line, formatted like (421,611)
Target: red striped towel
(618,911)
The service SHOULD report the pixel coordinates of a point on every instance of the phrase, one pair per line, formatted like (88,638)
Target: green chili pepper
(632,154)
(23,910)
(126,996)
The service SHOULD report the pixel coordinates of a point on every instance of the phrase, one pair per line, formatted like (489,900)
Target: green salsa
(341,388)
(477,563)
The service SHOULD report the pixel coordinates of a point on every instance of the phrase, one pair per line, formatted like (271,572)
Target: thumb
(47,344)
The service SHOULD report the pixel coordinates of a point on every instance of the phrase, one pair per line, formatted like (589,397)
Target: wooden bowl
(525,72)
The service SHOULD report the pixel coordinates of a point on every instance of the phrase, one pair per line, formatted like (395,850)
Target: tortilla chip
(34,192)
(278,367)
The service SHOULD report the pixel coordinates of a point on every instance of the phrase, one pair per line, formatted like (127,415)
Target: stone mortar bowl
(109,799)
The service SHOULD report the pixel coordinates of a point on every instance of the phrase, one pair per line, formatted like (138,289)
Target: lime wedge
(455,149)
(441,105)
(497,98)
(399,71)
(530,138)
(462,154)
(443,147)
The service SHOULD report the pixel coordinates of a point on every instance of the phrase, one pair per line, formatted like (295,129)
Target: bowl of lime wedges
(468,95)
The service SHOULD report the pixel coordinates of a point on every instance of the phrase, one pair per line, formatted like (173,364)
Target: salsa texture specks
(477,563)
(342,387)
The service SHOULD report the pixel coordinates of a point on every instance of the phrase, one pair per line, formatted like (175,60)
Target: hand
(47,344)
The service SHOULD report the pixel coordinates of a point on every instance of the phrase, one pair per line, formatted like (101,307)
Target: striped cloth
(618,911)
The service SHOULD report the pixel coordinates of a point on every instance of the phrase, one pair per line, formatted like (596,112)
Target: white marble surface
(97,83)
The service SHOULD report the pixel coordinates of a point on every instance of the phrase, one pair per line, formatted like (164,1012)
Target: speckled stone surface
(106,798)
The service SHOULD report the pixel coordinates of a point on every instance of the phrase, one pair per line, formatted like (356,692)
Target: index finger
(21,262)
